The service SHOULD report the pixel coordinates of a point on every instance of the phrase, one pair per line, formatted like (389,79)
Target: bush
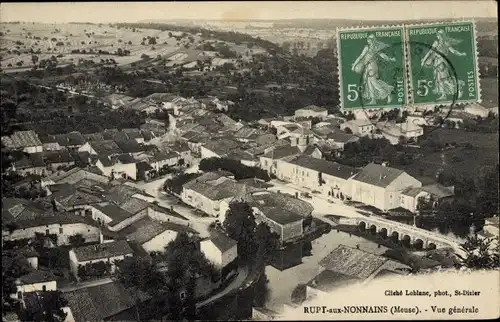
(98,269)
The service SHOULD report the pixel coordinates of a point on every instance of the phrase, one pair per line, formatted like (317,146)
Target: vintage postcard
(238,160)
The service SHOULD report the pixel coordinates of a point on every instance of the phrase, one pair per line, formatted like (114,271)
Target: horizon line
(244,20)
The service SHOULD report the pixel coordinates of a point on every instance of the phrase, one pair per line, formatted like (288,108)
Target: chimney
(380,178)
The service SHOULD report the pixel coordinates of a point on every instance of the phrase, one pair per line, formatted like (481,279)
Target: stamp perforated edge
(476,62)
(339,69)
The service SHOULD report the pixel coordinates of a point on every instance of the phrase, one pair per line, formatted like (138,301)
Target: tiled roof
(96,303)
(131,146)
(222,146)
(22,210)
(222,241)
(328,280)
(59,218)
(107,147)
(217,189)
(134,205)
(208,176)
(352,262)
(133,133)
(302,131)
(411,192)
(281,208)
(94,137)
(121,193)
(114,212)
(341,137)
(109,134)
(37,276)
(100,251)
(238,154)
(21,139)
(281,152)
(146,229)
(72,138)
(179,147)
(256,183)
(76,174)
(323,166)
(378,175)
(245,132)
(69,196)
(163,156)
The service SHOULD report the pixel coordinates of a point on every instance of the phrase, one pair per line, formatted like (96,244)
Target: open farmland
(19,42)
(483,151)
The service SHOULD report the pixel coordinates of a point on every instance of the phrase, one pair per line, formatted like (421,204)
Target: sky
(105,12)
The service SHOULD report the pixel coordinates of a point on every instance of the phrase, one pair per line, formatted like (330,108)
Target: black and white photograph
(249,160)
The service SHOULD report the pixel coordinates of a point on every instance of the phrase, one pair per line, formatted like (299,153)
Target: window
(44,288)
(182,295)
(19,295)
(60,230)
(47,232)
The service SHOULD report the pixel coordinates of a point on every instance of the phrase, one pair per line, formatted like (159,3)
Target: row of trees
(366,150)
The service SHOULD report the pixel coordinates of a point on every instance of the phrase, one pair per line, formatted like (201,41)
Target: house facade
(312,111)
(107,252)
(36,281)
(361,127)
(381,186)
(118,169)
(220,250)
(61,226)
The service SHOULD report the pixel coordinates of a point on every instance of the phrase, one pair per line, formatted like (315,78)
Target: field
(43,38)
(20,42)
(484,152)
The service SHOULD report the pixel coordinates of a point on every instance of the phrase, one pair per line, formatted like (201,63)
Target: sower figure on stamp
(445,83)
(367,63)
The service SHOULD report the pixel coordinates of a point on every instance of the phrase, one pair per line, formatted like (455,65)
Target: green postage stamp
(442,63)
(372,67)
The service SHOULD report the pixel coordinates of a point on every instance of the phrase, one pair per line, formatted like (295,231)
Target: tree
(348,130)
(267,242)
(241,226)
(13,267)
(152,41)
(49,308)
(141,275)
(479,253)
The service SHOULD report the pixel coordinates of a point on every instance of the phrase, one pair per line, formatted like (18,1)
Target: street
(321,206)
(154,188)
(236,283)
